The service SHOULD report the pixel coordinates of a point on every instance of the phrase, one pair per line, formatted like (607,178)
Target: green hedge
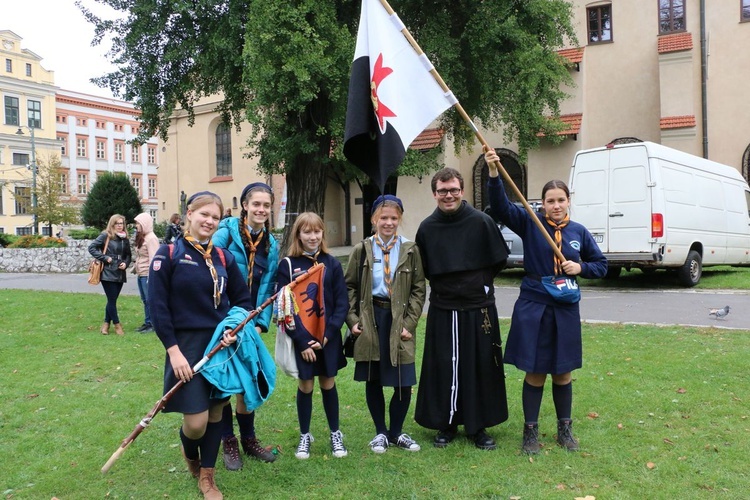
(36,241)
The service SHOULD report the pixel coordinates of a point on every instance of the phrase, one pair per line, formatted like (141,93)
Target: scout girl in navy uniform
(313,359)
(250,240)
(545,335)
(190,292)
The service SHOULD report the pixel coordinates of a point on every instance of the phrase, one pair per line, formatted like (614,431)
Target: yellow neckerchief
(206,253)
(386,259)
(251,248)
(558,239)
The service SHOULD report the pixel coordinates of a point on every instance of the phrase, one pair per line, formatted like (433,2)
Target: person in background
(314,359)
(255,249)
(191,289)
(112,247)
(545,335)
(386,287)
(227,213)
(146,245)
(462,380)
(174,230)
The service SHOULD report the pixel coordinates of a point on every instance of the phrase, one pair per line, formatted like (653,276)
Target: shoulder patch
(156,265)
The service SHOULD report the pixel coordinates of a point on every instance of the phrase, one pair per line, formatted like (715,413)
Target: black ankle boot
(565,435)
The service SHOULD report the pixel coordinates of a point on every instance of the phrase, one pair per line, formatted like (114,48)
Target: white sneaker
(379,444)
(405,442)
(337,445)
(303,448)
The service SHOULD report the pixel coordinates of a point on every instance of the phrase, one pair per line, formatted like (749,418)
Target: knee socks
(304,410)
(397,410)
(376,405)
(562,395)
(210,444)
(190,446)
(331,407)
(227,424)
(531,398)
(247,424)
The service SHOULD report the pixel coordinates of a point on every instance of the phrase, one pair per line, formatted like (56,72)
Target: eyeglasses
(452,191)
(119,223)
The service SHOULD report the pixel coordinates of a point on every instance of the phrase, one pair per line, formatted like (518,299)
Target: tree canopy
(283,68)
(51,208)
(111,194)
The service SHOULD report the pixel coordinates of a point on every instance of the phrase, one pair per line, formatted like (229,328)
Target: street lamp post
(33,174)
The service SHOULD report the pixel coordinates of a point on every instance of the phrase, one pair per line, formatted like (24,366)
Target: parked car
(512,240)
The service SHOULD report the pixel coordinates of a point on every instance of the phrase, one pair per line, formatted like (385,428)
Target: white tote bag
(284,350)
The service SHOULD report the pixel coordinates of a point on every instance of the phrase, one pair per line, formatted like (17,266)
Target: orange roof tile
(573,121)
(675,42)
(684,121)
(428,139)
(573,56)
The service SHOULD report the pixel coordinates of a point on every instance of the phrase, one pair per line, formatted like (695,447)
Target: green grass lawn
(660,413)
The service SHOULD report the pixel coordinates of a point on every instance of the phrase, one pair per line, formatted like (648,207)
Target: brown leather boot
(118,329)
(194,465)
(105,329)
(207,485)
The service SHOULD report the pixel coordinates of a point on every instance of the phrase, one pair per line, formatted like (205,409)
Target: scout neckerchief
(386,259)
(313,256)
(558,239)
(206,253)
(252,248)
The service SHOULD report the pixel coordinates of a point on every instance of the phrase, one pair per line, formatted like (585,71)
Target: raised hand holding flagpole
(385,115)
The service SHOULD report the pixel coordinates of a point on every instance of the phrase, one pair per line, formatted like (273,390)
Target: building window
(9,66)
(28,69)
(81,122)
(46,231)
(671,16)
(136,183)
(63,140)
(83,184)
(23,231)
(152,188)
(600,23)
(154,214)
(20,158)
(81,148)
(1,209)
(63,182)
(35,113)
(23,200)
(223,151)
(11,111)
(136,153)
(744,10)
(152,155)
(118,151)
(101,150)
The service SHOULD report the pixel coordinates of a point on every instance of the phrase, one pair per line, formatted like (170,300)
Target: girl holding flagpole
(315,357)
(386,285)
(250,240)
(191,287)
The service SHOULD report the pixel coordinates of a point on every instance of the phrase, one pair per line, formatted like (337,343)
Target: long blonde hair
(110,230)
(306,220)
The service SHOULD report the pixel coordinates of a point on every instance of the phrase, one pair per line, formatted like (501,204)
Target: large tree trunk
(306,187)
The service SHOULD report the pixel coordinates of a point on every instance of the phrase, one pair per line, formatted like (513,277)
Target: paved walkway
(687,307)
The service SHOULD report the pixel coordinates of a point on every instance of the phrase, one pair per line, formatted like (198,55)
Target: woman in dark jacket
(116,259)
(173,230)
(545,334)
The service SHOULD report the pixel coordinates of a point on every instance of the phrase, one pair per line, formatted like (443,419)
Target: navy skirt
(544,338)
(383,371)
(194,396)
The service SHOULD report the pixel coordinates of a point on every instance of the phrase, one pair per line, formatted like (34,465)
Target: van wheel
(690,273)
(613,272)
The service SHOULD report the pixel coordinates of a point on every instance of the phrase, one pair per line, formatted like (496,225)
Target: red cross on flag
(392,95)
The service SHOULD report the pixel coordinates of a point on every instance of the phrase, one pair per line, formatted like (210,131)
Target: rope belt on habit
(380,302)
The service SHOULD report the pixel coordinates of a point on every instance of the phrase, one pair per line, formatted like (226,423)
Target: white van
(650,206)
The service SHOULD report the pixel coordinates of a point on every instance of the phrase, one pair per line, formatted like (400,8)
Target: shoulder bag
(96,266)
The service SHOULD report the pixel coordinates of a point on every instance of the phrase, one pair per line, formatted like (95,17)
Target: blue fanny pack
(563,289)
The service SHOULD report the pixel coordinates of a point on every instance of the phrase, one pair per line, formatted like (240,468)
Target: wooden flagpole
(494,165)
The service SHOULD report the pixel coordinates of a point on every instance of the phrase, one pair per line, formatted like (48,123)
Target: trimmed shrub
(36,241)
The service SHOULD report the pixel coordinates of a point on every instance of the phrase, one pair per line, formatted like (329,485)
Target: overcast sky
(57,32)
